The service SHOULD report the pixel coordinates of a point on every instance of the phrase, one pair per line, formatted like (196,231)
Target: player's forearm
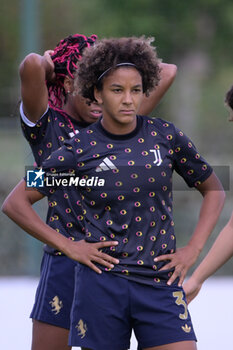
(34,67)
(211,208)
(34,71)
(22,213)
(168,74)
(221,251)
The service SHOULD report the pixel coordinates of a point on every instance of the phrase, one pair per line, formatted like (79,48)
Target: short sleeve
(34,132)
(188,163)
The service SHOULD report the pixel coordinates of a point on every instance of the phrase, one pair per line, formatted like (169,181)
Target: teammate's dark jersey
(49,133)
(44,137)
(126,187)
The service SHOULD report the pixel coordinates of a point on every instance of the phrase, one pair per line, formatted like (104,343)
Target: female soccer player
(130,160)
(222,249)
(52,113)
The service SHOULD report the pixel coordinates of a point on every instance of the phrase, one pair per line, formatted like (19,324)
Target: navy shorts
(54,295)
(106,308)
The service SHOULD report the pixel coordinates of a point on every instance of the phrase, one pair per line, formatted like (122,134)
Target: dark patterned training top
(126,187)
(46,136)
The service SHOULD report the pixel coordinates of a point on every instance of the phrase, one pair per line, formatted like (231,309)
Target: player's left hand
(191,288)
(181,261)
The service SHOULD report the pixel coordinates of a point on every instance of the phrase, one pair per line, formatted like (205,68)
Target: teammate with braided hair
(49,115)
(51,112)
(65,57)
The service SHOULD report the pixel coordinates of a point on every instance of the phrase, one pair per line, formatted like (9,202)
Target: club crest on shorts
(82,328)
(56,305)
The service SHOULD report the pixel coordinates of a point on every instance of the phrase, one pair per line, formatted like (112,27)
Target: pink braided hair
(66,55)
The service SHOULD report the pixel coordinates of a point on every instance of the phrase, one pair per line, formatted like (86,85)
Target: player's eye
(117,90)
(137,90)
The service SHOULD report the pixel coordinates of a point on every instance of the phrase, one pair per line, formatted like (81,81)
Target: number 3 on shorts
(180,301)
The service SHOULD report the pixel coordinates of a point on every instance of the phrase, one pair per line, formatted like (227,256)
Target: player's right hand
(90,253)
(49,65)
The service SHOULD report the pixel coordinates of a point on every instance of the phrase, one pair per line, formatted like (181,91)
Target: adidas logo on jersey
(106,164)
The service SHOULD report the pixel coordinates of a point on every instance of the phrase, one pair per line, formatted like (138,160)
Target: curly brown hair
(229,98)
(229,102)
(106,54)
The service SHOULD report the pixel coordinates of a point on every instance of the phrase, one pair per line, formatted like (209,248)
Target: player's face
(81,109)
(78,107)
(120,99)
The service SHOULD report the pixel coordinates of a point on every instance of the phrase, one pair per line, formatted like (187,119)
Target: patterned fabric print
(135,204)
(49,133)
(46,136)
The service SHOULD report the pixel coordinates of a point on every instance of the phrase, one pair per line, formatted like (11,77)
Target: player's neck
(70,112)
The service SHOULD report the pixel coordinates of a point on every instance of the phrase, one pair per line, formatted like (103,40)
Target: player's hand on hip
(180,261)
(191,288)
(90,253)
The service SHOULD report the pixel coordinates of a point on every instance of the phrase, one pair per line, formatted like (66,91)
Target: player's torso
(127,193)
(64,214)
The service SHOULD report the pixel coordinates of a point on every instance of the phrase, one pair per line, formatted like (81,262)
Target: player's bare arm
(219,254)
(18,207)
(167,76)
(34,71)
(212,204)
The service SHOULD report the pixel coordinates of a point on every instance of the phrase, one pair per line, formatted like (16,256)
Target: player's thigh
(182,345)
(49,337)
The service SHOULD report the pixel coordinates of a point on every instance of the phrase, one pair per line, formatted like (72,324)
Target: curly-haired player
(51,113)
(229,102)
(135,207)
(134,48)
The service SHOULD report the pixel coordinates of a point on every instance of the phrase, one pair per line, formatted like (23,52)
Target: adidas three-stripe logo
(105,165)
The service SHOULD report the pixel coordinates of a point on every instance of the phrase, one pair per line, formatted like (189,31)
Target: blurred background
(196,36)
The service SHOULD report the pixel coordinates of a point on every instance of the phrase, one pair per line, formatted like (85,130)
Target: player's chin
(127,119)
(92,119)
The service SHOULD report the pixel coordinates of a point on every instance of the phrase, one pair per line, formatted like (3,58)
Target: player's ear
(68,84)
(98,96)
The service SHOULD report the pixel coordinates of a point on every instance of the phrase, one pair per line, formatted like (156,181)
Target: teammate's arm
(168,74)
(221,251)
(212,204)
(34,70)
(18,207)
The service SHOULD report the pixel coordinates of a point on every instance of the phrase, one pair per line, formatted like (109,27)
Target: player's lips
(96,113)
(127,111)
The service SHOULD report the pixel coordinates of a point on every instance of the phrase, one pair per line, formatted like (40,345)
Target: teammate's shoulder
(159,123)
(55,112)
(82,137)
